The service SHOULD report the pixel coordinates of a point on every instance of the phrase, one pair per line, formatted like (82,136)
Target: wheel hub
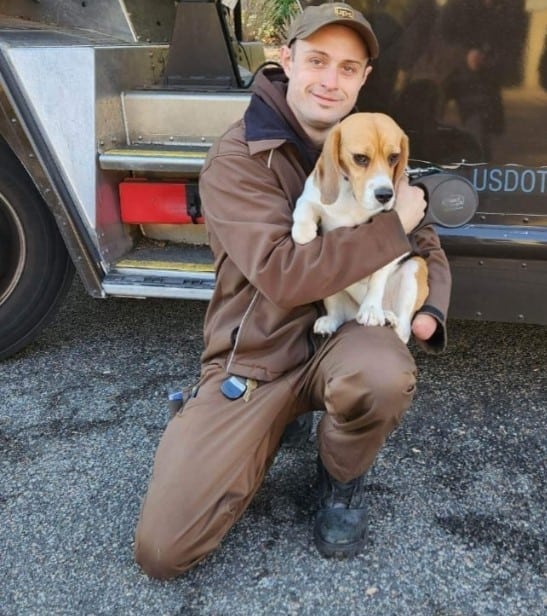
(13,249)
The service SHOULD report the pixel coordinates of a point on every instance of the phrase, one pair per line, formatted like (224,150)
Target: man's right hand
(410,204)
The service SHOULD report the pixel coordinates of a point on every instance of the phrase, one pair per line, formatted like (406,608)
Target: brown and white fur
(355,177)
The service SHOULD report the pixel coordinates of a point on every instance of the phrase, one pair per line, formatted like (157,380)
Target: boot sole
(334,550)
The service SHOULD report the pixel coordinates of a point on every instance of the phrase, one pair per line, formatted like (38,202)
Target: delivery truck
(108,109)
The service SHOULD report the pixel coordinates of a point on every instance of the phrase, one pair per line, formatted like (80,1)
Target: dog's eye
(393,159)
(361,159)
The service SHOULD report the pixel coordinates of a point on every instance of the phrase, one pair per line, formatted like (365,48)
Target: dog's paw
(326,325)
(304,232)
(391,319)
(371,315)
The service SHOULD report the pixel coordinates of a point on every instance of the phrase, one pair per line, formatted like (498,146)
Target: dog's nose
(383,194)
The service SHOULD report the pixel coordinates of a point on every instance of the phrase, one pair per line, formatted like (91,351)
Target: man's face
(326,72)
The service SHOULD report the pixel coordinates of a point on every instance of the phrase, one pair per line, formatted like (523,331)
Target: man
(262,366)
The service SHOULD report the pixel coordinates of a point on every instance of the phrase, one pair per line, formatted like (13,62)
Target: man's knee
(161,557)
(385,393)
(392,387)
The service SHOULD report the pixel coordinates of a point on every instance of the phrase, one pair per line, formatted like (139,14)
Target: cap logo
(342,12)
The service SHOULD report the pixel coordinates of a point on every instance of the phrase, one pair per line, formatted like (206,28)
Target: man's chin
(327,116)
(326,120)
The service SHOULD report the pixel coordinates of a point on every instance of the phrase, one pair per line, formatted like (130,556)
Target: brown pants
(213,455)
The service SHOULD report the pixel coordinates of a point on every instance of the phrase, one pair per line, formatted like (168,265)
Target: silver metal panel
(117,69)
(74,95)
(106,16)
(152,20)
(130,20)
(16,132)
(58,84)
(180,117)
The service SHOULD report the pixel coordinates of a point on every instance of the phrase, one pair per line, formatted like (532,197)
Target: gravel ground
(457,496)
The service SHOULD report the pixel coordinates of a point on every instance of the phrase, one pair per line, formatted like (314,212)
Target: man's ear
(368,71)
(285,59)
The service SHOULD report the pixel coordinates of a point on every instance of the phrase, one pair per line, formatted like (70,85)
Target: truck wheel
(35,268)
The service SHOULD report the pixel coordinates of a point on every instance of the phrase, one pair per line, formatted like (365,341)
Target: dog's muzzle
(383,194)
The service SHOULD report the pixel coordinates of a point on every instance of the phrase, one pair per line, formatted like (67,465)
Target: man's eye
(316,61)
(349,69)
(361,159)
(393,159)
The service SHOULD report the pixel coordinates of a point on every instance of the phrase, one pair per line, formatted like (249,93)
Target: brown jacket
(268,289)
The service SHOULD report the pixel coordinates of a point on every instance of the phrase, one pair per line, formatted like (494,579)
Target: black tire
(35,268)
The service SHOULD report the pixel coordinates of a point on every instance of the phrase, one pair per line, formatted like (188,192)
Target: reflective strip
(166,265)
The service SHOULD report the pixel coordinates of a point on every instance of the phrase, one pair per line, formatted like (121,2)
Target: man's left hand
(424,326)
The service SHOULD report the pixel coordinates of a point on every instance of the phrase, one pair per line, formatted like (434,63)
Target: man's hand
(424,326)
(410,204)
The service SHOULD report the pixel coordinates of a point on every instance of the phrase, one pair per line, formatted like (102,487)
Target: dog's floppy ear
(403,159)
(328,167)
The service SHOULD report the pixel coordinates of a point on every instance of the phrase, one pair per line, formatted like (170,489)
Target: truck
(108,109)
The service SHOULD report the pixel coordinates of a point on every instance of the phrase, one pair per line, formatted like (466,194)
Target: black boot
(298,432)
(341,523)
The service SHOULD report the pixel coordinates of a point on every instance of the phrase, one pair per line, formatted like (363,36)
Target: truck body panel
(95,96)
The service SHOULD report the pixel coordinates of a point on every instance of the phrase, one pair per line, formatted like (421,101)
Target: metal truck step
(179,271)
(170,130)
(181,159)
(134,282)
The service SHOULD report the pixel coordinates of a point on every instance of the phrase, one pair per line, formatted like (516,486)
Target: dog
(363,158)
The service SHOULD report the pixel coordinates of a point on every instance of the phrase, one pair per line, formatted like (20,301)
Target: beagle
(362,160)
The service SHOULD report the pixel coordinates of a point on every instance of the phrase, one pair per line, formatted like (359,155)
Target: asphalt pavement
(457,496)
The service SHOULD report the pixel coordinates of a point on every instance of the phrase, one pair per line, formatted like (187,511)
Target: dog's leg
(404,297)
(406,291)
(305,216)
(371,311)
(340,308)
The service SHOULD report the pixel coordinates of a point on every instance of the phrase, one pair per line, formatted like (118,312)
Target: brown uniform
(213,455)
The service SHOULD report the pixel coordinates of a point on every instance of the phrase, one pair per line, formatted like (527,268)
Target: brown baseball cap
(312,18)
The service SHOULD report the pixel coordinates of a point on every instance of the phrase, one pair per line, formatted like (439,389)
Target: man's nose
(330,77)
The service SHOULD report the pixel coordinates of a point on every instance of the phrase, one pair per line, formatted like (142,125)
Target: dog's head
(370,152)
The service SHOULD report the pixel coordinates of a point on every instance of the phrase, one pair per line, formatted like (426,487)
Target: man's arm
(429,325)
(249,219)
